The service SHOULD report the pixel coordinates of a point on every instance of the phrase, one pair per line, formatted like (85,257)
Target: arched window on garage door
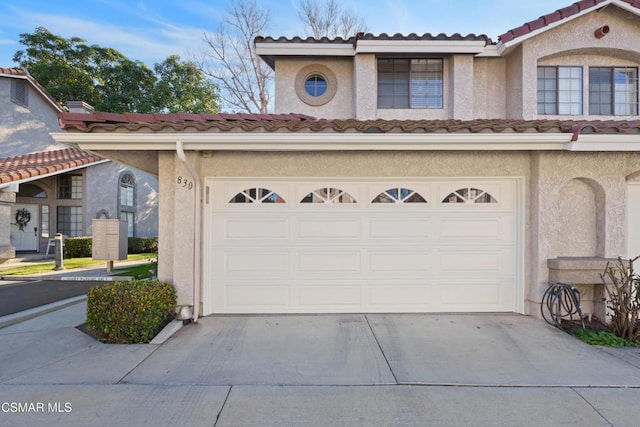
(469,195)
(257,195)
(399,195)
(328,195)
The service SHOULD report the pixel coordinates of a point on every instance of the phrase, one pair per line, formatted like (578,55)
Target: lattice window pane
(257,195)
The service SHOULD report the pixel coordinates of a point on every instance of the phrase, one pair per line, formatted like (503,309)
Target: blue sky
(151,30)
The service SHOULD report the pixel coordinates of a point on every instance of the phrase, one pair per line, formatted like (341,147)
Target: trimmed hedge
(77,247)
(143,245)
(130,312)
(80,247)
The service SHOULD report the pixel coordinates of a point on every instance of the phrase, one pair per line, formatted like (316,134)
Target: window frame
(20,97)
(126,193)
(411,83)
(632,106)
(73,190)
(558,91)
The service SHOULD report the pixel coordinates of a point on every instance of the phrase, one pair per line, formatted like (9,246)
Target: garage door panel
(262,296)
(494,261)
(417,229)
(380,254)
(314,262)
(255,262)
(330,295)
(391,294)
(256,228)
(398,260)
(328,228)
(490,295)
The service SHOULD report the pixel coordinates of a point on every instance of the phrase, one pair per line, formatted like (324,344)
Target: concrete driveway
(382,369)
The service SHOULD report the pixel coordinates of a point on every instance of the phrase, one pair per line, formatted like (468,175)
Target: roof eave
(505,47)
(50,174)
(321,141)
(421,46)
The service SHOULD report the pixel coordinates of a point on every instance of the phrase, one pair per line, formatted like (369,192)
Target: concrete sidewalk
(325,370)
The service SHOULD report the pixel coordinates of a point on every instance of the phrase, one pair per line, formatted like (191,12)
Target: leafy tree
(183,87)
(62,66)
(71,70)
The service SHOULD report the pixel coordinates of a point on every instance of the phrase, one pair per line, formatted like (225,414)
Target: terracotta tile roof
(369,36)
(556,16)
(32,165)
(101,122)
(178,121)
(21,74)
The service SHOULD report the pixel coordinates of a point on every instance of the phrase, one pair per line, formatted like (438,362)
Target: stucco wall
(574,43)
(25,129)
(489,88)
(6,201)
(176,238)
(587,189)
(103,191)
(287,100)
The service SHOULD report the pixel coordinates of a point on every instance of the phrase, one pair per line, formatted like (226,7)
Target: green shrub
(130,312)
(143,245)
(77,247)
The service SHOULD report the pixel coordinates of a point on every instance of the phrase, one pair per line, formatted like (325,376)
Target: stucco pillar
(462,87)
(176,225)
(365,87)
(7,199)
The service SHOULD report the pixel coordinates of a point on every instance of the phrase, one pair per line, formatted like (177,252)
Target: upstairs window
(613,91)
(560,90)
(315,85)
(70,187)
(410,83)
(19,93)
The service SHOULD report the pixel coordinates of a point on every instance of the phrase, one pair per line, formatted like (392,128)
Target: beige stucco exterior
(573,204)
(476,86)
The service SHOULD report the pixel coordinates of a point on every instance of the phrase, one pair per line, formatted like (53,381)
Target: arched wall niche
(581,220)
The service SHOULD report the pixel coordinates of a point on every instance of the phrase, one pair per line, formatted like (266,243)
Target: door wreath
(23,216)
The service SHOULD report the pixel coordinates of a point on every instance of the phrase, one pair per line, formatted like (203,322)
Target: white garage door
(327,246)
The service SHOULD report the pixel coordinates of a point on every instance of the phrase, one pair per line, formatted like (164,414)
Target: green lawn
(69,264)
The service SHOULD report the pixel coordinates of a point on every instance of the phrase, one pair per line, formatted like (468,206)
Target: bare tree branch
(327,19)
(229,58)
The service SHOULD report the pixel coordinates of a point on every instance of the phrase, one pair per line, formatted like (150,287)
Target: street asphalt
(322,370)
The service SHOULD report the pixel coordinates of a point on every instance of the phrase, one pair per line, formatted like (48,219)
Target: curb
(69,278)
(21,316)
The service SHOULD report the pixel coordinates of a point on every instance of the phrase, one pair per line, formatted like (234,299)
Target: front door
(24,227)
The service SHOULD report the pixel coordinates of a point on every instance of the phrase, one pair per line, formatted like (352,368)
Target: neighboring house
(47,187)
(451,174)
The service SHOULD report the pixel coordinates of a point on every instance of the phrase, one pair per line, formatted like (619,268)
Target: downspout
(197,231)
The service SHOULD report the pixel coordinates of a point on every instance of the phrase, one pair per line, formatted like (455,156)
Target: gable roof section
(14,73)
(28,167)
(560,16)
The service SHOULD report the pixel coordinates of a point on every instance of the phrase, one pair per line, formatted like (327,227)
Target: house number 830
(184,183)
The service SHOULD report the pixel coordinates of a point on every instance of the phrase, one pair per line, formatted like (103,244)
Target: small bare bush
(623,299)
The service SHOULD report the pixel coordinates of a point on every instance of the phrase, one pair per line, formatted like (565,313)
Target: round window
(315,85)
